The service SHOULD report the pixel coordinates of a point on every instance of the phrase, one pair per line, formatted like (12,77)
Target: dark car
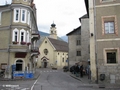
(65,68)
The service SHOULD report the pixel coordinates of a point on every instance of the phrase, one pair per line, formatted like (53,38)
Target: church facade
(54,52)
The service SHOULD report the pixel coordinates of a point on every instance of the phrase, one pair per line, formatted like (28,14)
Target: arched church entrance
(45,63)
(19,65)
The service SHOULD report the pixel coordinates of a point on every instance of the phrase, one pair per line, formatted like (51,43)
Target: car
(65,68)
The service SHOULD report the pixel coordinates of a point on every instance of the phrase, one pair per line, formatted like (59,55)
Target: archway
(45,63)
(19,65)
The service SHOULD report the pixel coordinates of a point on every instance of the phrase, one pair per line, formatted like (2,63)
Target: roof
(59,45)
(87,6)
(76,31)
(84,16)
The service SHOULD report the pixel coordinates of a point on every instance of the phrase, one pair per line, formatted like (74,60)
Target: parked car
(72,69)
(65,68)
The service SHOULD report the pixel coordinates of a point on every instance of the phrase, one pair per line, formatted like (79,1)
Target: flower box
(23,43)
(15,42)
(28,43)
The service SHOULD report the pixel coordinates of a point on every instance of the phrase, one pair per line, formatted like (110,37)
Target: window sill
(107,1)
(111,64)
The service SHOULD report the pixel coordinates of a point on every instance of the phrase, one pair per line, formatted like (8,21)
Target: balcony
(35,51)
(35,35)
(19,48)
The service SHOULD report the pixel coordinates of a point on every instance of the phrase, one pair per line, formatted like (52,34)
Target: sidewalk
(87,82)
(83,79)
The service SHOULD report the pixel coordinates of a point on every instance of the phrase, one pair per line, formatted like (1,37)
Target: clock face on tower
(45,51)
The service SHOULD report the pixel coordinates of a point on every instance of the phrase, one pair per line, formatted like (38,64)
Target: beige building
(105,41)
(78,41)
(18,35)
(53,52)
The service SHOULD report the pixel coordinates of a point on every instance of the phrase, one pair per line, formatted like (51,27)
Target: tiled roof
(59,45)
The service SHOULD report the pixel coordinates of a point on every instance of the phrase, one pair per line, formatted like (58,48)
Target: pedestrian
(89,71)
(77,70)
(81,70)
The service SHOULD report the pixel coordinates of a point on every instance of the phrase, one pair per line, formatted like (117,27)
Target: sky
(64,13)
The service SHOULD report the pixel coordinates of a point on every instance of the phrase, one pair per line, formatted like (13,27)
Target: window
(63,60)
(16,15)
(109,25)
(22,35)
(45,51)
(0,17)
(23,15)
(78,53)
(78,42)
(111,56)
(15,35)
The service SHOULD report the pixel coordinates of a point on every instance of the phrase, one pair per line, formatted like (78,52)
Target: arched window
(22,35)
(15,35)
(45,51)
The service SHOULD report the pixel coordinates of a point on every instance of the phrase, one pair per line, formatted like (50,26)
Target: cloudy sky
(64,13)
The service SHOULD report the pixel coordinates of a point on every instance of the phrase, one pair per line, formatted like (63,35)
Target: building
(54,51)
(78,41)
(18,35)
(105,40)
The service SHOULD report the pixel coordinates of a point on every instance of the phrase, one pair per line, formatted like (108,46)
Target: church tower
(53,31)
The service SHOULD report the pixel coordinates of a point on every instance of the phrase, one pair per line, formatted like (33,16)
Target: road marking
(50,71)
(34,84)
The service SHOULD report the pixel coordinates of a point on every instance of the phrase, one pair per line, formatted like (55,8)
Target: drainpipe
(95,41)
(8,68)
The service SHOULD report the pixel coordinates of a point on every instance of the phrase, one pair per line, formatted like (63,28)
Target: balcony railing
(35,35)
(34,49)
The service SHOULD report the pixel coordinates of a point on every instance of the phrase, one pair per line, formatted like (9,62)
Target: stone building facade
(105,20)
(18,35)
(78,41)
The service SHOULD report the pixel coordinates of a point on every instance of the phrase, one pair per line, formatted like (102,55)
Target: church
(53,51)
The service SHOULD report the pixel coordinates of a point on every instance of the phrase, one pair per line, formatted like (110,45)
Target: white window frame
(108,28)
(23,31)
(15,15)
(13,38)
(25,15)
(0,17)
(28,18)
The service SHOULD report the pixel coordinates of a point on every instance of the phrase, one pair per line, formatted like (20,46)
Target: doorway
(19,65)
(45,63)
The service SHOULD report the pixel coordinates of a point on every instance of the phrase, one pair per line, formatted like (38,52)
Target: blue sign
(66,60)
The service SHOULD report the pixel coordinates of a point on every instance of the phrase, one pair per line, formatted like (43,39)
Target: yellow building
(53,52)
